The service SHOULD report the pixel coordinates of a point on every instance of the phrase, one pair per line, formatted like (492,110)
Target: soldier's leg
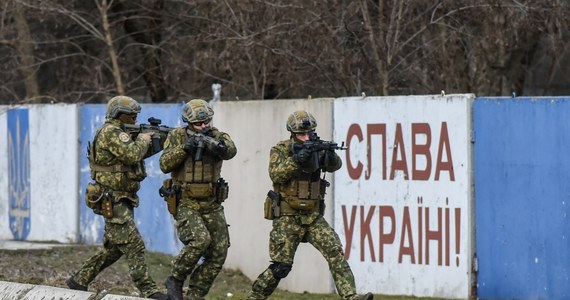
(97,263)
(323,237)
(193,233)
(134,251)
(283,242)
(203,276)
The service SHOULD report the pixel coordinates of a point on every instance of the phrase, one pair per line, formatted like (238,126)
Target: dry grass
(52,266)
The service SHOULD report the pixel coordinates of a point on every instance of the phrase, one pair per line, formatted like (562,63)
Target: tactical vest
(303,193)
(197,178)
(135,172)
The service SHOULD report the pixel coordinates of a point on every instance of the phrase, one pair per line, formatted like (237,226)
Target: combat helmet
(122,105)
(301,121)
(196,110)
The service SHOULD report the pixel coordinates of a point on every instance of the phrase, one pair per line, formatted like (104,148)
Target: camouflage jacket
(113,147)
(173,156)
(283,168)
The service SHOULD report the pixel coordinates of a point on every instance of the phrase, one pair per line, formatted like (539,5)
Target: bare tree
(169,50)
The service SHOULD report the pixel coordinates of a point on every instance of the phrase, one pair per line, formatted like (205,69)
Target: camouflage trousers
(120,239)
(206,236)
(287,233)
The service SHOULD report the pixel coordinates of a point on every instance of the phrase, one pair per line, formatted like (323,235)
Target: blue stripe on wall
(522,197)
(19,173)
(154,222)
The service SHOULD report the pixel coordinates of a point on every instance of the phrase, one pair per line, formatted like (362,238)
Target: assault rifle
(203,139)
(315,144)
(159,136)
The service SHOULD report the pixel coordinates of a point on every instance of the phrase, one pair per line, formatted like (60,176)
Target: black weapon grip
(155,143)
(199,150)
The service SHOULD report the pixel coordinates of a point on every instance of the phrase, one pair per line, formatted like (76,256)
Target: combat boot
(72,284)
(159,296)
(368,296)
(174,288)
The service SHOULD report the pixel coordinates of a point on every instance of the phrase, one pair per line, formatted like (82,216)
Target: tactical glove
(327,158)
(302,156)
(191,144)
(220,148)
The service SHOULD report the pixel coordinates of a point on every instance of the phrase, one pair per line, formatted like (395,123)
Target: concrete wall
(521,183)
(39,175)
(403,199)
(255,127)
(4,204)
(153,221)
(519,171)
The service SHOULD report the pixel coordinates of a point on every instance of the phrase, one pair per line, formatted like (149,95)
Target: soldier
(193,154)
(296,208)
(117,166)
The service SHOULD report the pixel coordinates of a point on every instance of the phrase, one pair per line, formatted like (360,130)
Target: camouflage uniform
(200,220)
(115,147)
(301,191)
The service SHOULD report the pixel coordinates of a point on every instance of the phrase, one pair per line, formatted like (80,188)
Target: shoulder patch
(274,158)
(124,137)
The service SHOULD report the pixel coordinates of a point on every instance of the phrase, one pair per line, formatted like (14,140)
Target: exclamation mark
(457,234)
(420,231)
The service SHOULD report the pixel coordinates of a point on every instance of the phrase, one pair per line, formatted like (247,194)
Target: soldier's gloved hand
(220,148)
(190,145)
(146,136)
(302,156)
(327,158)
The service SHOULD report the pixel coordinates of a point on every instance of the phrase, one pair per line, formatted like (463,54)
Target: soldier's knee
(280,270)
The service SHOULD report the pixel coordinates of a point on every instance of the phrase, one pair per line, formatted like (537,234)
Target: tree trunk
(150,37)
(103,8)
(24,44)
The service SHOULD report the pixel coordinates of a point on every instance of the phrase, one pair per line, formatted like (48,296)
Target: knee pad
(280,270)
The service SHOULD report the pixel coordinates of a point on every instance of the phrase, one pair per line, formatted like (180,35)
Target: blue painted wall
(522,197)
(19,173)
(152,218)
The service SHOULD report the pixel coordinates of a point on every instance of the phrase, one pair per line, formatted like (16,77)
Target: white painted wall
(54,156)
(408,219)
(4,228)
(255,127)
(53,136)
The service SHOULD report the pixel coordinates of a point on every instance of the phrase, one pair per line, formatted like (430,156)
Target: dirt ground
(53,266)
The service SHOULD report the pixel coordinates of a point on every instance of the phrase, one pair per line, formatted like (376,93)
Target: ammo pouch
(302,204)
(272,206)
(171,194)
(222,190)
(94,197)
(304,195)
(99,200)
(198,190)
(268,213)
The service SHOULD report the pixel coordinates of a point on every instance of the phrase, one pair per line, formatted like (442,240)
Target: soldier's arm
(173,154)
(232,150)
(281,165)
(122,146)
(334,162)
